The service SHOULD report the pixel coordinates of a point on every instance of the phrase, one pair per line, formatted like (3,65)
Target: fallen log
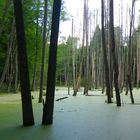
(61,98)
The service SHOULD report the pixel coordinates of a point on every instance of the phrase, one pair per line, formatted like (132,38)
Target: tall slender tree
(73,54)
(43,52)
(36,45)
(107,80)
(78,79)
(47,117)
(129,73)
(86,88)
(115,62)
(28,118)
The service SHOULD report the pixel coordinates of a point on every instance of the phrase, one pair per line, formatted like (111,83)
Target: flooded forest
(58,63)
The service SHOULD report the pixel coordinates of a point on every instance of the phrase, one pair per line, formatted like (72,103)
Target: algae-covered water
(75,118)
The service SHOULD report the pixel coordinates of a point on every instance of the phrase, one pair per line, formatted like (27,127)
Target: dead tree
(78,79)
(87,82)
(115,62)
(129,73)
(107,80)
(43,53)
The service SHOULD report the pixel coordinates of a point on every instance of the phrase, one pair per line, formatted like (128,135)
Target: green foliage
(32,10)
(6,19)
(62,59)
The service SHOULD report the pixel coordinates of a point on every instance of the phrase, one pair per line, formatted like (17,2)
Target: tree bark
(77,84)
(129,73)
(43,52)
(107,81)
(138,61)
(36,48)
(16,71)
(47,117)
(27,111)
(115,62)
(86,88)
(73,55)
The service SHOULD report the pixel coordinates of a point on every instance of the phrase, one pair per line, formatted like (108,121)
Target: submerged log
(61,98)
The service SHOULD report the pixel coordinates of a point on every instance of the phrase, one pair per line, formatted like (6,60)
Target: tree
(115,63)
(47,117)
(129,73)
(43,51)
(78,79)
(107,80)
(28,118)
(138,58)
(36,44)
(73,55)
(87,81)
(33,21)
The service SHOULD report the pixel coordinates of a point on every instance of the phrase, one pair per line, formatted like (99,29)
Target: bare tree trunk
(43,52)
(73,55)
(77,84)
(129,74)
(36,45)
(86,88)
(115,63)
(78,79)
(16,71)
(103,81)
(138,61)
(28,118)
(68,71)
(107,81)
(12,70)
(122,75)
(47,117)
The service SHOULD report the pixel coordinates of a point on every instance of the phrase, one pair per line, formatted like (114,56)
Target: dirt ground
(75,118)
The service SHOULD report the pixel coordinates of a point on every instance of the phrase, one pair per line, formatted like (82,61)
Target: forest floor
(75,118)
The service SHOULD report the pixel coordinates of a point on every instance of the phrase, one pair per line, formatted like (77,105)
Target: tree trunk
(16,71)
(36,47)
(138,61)
(11,68)
(115,63)
(73,56)
(107,81)
(129,74)
(47,117)
(86,88)
(43,52)
(27,111)
(77,84)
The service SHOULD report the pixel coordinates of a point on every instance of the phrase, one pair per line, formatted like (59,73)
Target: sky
(75,9)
